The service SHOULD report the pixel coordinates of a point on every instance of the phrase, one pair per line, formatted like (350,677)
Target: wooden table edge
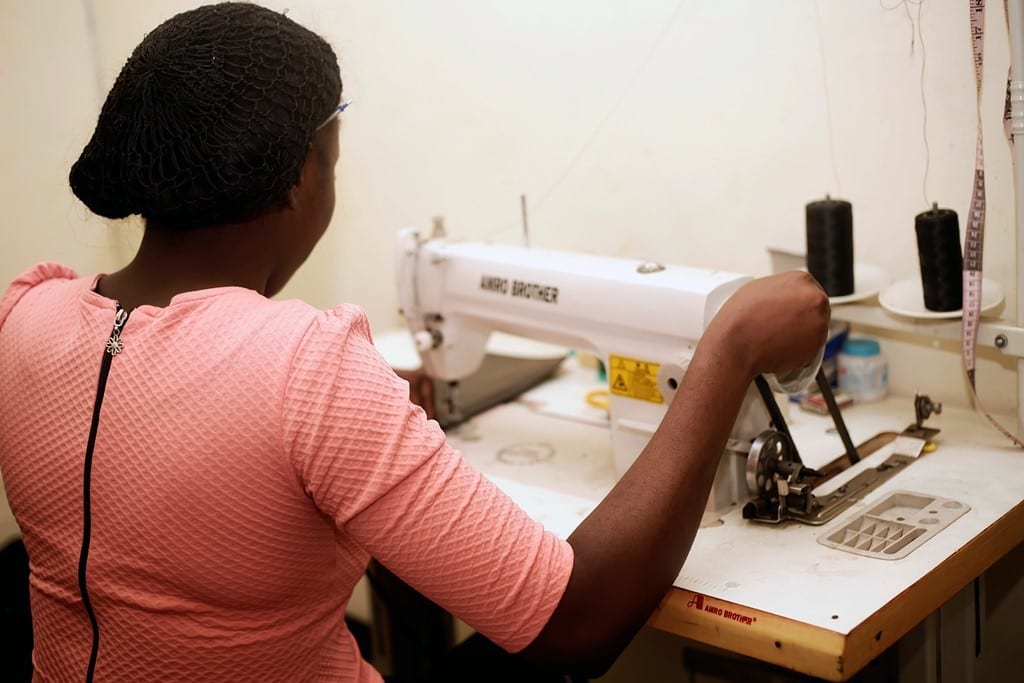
(819,651)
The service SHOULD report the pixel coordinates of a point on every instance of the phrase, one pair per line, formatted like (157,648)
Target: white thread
(917,36)
(631,83)
(828,101)
(924,110)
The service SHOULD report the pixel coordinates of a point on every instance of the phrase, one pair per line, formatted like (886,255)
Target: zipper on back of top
(113,346)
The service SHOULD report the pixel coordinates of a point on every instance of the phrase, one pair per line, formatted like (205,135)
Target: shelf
(996,333)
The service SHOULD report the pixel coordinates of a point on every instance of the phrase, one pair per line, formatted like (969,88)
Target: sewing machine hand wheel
(771,454)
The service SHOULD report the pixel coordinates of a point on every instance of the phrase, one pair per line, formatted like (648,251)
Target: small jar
(863,372)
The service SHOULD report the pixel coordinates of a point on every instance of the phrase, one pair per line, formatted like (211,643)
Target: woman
(202,474)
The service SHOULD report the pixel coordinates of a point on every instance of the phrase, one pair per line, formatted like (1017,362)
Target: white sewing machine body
(642,319)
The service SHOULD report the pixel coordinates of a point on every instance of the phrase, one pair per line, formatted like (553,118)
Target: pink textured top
(251,456)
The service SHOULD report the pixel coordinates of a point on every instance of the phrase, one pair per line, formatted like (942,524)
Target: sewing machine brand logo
(700,603)
(523,290)
(498,285)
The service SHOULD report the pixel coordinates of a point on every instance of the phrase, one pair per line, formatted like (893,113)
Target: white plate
(906,297)
(868,280)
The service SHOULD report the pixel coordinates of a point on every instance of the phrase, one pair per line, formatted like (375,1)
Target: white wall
(691,132)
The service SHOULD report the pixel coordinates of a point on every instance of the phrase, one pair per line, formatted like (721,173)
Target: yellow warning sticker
(634,378)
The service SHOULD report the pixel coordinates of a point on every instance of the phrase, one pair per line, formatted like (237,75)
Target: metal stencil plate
(895,527)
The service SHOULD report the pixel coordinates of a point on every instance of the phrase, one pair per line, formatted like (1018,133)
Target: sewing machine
(643,319)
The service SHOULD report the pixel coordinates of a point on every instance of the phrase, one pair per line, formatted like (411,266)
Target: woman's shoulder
(40,273)
(337,327)
(283,324)
(341,318)
(45,271)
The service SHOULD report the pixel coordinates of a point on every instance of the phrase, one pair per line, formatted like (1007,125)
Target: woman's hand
(774,324)
(421,390)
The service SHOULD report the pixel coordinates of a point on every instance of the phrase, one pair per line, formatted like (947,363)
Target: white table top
(551,454)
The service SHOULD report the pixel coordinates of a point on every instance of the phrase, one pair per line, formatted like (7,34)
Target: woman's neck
(170,263)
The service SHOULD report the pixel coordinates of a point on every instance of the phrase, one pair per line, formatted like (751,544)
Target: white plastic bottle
(863,371)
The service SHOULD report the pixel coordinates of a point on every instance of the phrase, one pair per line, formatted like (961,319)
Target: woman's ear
(291,198)
(295,191)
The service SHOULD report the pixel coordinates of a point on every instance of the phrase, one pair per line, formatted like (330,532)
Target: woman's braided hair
(210,119)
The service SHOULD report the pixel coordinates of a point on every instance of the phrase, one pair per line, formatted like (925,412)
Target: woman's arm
(631,547)
(421,390)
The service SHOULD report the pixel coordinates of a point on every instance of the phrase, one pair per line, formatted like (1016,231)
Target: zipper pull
(114,343)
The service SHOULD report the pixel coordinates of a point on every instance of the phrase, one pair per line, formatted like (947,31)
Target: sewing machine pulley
(772,461)
(778,481)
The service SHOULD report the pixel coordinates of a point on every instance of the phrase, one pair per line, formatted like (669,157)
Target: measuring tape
(975,236)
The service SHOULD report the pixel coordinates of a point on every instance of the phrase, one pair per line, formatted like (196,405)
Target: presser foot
(924,408)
